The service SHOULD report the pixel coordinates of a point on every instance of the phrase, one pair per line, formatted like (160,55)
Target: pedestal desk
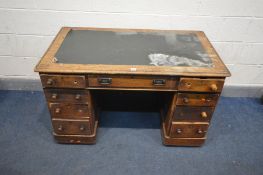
(178,71)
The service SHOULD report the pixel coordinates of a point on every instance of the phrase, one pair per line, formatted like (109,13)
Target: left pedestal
(71,107)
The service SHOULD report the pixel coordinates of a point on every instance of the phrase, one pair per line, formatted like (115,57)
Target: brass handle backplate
(159,82)
(104,81)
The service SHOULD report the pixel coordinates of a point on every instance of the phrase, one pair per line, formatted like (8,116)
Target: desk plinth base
(168,141)
(77,139)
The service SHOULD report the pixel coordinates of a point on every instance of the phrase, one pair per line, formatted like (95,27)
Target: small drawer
(65,95)
(201,85)
(63,81)
(197,99)
(71,127)
(192,113)
(131,82)
(66,110)
(188,130)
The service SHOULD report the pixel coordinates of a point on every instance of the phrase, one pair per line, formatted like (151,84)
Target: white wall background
(235,28)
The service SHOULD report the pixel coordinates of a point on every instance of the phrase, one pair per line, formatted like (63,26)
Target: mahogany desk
(180,69)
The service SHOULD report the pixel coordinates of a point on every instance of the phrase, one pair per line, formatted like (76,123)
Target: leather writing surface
(133,48)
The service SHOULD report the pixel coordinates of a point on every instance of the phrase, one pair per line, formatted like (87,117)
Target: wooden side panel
(201,85)
(169,116)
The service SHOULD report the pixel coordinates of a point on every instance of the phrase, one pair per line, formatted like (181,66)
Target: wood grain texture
(48,65)
(193,113)
(66,95)
(63,81)
(168,118)
(68,110)
(77,139)
(169,141)
(188,129)
(132,82)
(72,127)
(200,85)
(193,92)
(197,99)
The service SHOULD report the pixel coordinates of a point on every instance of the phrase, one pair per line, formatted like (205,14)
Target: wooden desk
(183,65)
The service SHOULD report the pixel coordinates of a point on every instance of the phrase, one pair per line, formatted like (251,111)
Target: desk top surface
(133,48)
(131,51)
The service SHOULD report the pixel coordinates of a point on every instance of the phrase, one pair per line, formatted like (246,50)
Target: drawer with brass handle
(188,130)
(72,127)
(63,81)
(66,95)
(148,82)
(67,110)
(193,113)
(201,85)
(190,99)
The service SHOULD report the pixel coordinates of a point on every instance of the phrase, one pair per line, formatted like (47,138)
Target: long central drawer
(114,81)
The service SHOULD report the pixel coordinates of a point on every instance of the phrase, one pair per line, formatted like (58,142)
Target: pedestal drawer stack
(191,111)
(71,108)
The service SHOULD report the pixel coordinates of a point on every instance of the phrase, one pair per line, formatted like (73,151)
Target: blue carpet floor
(128,143)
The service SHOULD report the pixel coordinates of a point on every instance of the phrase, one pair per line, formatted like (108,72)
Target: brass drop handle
(82,127)
(77,97)
(178,131)
(49,81)
(159,82)
(105,81)
(54,96)
(200,131)
(57,110)
(203,114)
(80,110)
(60,127)
(185,100)
(213,87)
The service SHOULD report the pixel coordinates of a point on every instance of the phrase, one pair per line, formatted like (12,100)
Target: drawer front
(64,95)
(63,81)
(192,113)
(201,85)
(188,130)
(71,127)
(131,82)
(197,99)
(66,110)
